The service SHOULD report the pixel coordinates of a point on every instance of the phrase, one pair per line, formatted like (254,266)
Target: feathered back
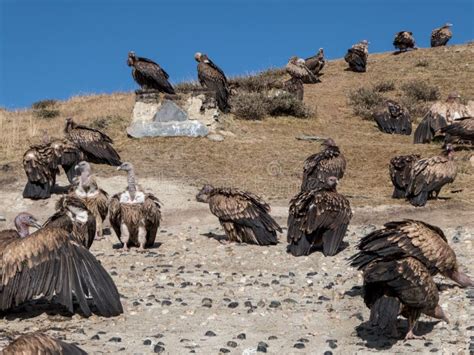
(38,343)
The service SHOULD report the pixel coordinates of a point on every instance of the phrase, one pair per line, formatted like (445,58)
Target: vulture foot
(411,336)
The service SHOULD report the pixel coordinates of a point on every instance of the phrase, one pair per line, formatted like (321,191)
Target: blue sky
(57,49)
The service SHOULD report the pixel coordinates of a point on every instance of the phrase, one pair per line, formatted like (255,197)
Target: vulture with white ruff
(400,169)
(316,62)
(149,75)
(357,55)
(243,215)
(39,343)
(134,215)
(393,118)
(297,69)
(440,36)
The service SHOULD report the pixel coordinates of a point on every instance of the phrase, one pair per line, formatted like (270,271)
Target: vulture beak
(119,168)
(34,223)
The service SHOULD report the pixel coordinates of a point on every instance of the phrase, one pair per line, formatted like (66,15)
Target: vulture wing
(40,165)
(318,167)
(38,343)
(394,119)
(69,156)
(301,71)
(213,78)
(50,263)
(440,37)
(150,74)
(399,169)
(463,129)
(152,213)
(6,237)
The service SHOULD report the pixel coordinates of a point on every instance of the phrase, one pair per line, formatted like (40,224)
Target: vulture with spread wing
(149,75)
(318,219)
(318,167)
(297,69)
(39,343)
(244,216)
(462,130)
(400,169)
(429,175)
(440,115)
(404,41)
(51,264)
(440,36)
(316,62)
(411,238)
(213,78)
(393,118)
(357,55)
(134,215)
(94,144)
(400,287)
(95,199)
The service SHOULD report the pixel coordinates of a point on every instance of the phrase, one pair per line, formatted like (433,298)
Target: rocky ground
(193,293)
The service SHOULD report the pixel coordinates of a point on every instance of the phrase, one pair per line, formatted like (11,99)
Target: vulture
(403,287)
(243,215)
(68,155)
(149,75)
(393,118)
(356,56)
(39,343)
(404,41)
(415,239)
(429,175)
(295,87)
(51,264)
(134,215)
(95,199)
(440,115)
(399,169)
(316,63)
(41,168)
(94,144)
(298,70)
(318,167)
(318,218)
(73,216)
(462,130)
(213,78)
(441,36)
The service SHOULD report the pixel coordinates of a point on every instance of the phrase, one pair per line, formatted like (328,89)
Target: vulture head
(321,51)
(125,167)
(131,58)
(45,138)
(454,96)
(198,57)
(69,124)
(331,183)
(449,150)
(460,277)
(24,221)
(205,193)
(446,25)
(83,166)
(328,142)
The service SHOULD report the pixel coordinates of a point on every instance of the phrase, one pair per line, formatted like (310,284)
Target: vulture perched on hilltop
(400,169)
(462,130)
(429,175)
(149,75)
(316,62)
(404,41)
(95,199)
(297,69)
(244,216)
(440,36)
(39,343)
(134,215)
(73,216)
(318,167)
(51,264)
(213,78)
(318,219)
(94,144)
(411,238)
(403,287)
(393,118)
(357,56)
(440,115)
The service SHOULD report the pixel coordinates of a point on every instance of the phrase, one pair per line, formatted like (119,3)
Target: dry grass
(264,156)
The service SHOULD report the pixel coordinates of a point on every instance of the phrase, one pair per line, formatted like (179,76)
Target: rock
(241,336)
(332,343)
(272,337)
(169,111)
(2,218)
(233,305)
(327,353)
(158,349)
(262,347)
(303,340)
(215,137)
(115,340)
(166,303)
(275,304)
(232,344)
(224,350)
(95,337)
(147,342)
(299,346)
(206,302)
(168,129)
(210,333)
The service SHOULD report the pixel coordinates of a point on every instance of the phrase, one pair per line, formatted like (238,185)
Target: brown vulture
(134,215)
(429,175)
(298,70)
(404,41)
(51,264)
(149,75)
(411,238)
(356,56)
(399,169)
(94,144)
(243,215)
(95,199)
(440,115)
(295,87)
(440,36)
(318,219)
(213,78)
(39,343)
(73,216)
(403,287)
(68,156)
(41,167)
(462,130)
(318,167)
(316,62)
(393,118)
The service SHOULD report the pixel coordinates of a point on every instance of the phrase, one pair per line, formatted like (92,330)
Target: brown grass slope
(264,156)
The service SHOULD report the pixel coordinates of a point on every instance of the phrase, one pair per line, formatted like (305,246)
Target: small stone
(241,336)
(158,336)
(272,337)
(224,350)
(158,349)
(115,339)
(275,304)
(323,298)
(262,347)
(147,342)
(310,274)
(210,333)
(290,300)
(332,343)
(327,353)
(303,340)
(248,304)
(95,337)
(135,303)
(299,346)
(233,305)
(166,303)
(206,302)
(215,137)
(232,344)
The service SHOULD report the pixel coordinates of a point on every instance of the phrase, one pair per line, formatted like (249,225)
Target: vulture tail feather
(420,199)
(384,312)
(37,191)
(332,239)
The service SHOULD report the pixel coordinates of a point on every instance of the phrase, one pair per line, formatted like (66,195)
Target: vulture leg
(412,318)
(99,227)
(141,238)
(125,236)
